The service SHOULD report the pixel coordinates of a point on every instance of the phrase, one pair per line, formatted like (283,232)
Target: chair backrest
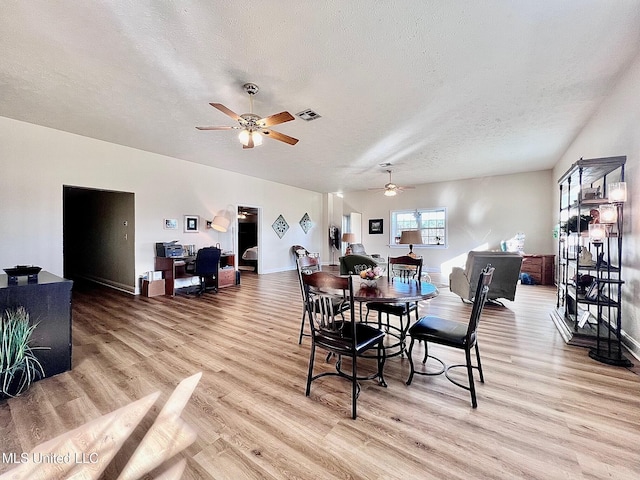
(306,265)
(357,249)
(322,292)
(482,293)
(507,265)
(299,251)
(405,268)
(207,261)
(354,264)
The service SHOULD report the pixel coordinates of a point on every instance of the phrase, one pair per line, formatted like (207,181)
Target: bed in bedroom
(250,258)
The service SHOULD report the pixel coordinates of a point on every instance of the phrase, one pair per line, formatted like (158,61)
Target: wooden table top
(393,291)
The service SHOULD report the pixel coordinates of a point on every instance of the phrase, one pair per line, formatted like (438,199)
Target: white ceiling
(441,89)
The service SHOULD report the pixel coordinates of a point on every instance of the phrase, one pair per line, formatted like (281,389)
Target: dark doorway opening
(248,219)
(99,236)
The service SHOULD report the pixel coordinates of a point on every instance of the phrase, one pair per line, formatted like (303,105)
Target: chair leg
(479,363)
(354,386)
(408,382)
(382,358)
(310,374)
(304,315)
(426,351)
(472,387)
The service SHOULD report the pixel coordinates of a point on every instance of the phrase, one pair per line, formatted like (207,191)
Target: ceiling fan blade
(406,188)
(280,136)
(275,119)
(216,128)
(226,111)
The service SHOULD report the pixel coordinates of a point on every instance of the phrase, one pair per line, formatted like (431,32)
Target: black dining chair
(343,337)
(460,335)
(307,264)
(401,269)
(206,268)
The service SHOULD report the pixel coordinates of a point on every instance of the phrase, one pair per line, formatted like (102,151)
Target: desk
(173,268)
(396,291)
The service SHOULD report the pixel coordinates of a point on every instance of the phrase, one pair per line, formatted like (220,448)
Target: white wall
(35,163)
(615,130)
(481,213)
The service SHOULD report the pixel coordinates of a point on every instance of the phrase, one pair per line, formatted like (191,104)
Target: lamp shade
(597,232)
(220,223)
(349,237)
(410,237)
(608,213)
(617,192)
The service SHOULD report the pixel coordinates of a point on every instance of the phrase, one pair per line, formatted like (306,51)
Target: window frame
(394,229)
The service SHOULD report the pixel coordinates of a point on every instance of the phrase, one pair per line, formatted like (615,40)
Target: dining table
(392,290)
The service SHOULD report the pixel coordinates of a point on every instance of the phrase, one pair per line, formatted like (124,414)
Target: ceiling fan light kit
(391,189)
(252,127)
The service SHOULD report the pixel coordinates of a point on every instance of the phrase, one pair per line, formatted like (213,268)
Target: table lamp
(348,238)
(411,238)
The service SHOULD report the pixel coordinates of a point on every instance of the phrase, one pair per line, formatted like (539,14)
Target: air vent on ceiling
(308,115)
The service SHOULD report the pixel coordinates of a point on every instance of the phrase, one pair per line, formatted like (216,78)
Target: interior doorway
(248,239)
(98,236)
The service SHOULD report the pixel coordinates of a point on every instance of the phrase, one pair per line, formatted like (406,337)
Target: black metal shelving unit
(594,320)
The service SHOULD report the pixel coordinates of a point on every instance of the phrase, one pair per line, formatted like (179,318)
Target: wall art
(305,223)
(280,226)
(191,223)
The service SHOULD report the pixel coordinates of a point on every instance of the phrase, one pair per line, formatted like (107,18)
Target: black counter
(48,302)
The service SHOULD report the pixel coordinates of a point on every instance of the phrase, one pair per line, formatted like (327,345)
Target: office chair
(206,267)
(460,335)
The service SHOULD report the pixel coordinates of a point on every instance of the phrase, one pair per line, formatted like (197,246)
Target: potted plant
(571,225)
(19,366)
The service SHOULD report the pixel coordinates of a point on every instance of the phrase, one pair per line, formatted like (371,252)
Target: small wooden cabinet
(540,268)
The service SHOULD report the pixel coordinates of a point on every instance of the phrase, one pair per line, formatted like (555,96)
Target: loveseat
(462,281)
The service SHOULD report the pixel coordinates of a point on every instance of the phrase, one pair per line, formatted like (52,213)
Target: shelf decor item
(370,277)
(617,192)
(608,213)
(280,226)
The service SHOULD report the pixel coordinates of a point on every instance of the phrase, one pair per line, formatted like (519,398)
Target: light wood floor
(546,410)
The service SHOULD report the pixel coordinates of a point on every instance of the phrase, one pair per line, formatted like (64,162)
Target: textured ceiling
(441,89)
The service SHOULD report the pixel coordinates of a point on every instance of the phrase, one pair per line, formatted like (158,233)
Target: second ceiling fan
(252,126)
(391,189)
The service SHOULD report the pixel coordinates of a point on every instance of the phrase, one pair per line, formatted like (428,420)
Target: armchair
(358,249)
(462,281)
(354,264)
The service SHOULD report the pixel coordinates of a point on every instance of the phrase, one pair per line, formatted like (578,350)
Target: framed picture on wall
(170,224)
(191,223)
(375,226)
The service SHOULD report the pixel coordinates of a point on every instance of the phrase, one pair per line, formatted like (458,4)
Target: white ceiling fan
(252,127)
(391,189)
